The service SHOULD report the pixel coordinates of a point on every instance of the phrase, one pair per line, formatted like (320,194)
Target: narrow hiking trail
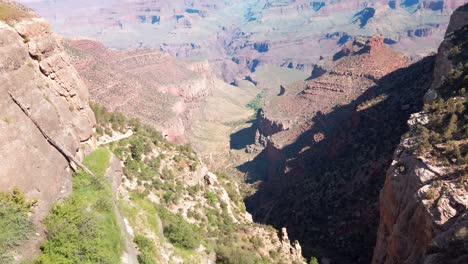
(106,139)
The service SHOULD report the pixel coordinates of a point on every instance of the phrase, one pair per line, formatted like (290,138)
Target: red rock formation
(147,84)
(349,78)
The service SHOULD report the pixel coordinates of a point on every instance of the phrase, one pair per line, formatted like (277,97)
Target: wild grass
(143,217)
(15,224)
(84,227)
(146,248)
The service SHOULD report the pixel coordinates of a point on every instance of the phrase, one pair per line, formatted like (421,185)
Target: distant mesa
(257,32)
(374,44)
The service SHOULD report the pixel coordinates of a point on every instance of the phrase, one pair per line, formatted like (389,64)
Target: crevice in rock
(68,156)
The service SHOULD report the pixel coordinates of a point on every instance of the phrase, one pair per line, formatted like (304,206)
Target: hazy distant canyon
(238,36)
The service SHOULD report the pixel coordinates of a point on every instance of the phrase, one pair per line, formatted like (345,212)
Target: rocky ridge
(181,98)
(423,205)
(147,84)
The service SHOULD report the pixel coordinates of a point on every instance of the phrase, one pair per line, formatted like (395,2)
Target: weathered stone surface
(37,72)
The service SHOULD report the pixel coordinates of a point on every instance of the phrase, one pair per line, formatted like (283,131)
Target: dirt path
(117,137)
(114,174)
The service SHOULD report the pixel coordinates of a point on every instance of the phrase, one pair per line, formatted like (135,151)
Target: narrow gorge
(257,131)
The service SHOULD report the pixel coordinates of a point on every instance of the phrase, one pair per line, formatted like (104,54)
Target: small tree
(313,260)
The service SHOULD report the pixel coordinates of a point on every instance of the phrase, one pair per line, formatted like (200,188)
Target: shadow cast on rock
(326,193)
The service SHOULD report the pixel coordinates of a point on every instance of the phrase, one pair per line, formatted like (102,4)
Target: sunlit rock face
(40,90)
(290,34)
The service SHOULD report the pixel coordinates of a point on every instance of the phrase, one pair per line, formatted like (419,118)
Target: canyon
(326,131)
(236,37)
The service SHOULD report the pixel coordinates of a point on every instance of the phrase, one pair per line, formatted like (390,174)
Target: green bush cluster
(107,121)
(256,103)
(146,248)
(211,198)
(15,224)
(84,227)
(226,254)
(179,232)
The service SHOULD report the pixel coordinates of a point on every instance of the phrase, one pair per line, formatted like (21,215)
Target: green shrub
(313,260)
(138,147)
(257,242)
(211,197)
(15,224)
(167,174)
(256,103)
(178,231)
(84,227)
(146,248)
(232,254)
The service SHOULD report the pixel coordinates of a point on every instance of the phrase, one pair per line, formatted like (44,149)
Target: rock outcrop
(285,117)
(35,71)
(423,205)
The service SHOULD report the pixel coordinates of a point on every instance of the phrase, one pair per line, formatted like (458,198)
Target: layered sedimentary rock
(36,72)
(348,78)
(236,37)
(148,84)
(423,205)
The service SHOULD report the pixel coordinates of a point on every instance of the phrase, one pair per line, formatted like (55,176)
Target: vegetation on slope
(84,227)
(163,205)
(15,224)
(444,135)
(256,103)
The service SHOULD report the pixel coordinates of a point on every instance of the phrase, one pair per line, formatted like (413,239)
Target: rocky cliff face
(328,142)
(36,72)
(423,205)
